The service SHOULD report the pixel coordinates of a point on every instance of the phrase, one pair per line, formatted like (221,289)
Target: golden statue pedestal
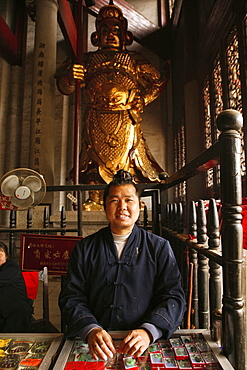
(94,202)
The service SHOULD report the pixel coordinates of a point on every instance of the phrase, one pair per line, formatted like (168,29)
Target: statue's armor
(112,137)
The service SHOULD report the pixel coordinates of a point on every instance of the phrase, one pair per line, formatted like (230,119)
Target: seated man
(15,307)
(122,278)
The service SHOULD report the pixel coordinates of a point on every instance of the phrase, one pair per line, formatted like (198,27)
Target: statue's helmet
(109,14)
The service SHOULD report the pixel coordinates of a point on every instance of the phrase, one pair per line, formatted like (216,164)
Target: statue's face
(110,35)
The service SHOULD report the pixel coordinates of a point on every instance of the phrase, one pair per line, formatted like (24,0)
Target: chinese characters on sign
(51,251)
(38,106)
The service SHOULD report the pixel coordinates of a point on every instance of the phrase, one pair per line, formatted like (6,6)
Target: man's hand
(135,343)
(100,344)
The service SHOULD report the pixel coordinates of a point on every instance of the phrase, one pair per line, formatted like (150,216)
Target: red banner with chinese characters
(52,251)
(5,203)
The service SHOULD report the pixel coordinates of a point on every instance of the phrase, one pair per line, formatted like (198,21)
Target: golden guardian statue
(117,84)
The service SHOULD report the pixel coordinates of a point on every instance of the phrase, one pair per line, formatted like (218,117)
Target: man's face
(3,257)
(122,208)
(110,36)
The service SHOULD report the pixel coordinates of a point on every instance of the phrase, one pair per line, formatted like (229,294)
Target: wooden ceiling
(137,23)
(145,32)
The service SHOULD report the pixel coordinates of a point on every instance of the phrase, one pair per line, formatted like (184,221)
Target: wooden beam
(208,159)
(12,43)
(67,24)
(8,42)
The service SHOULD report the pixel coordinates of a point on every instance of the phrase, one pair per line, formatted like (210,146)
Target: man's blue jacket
(144,286)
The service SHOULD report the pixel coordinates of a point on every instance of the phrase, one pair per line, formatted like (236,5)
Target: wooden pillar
(229,123)
(215,290)
(6,11)
(203,282)
(194,260)
(194,134)
(42,142)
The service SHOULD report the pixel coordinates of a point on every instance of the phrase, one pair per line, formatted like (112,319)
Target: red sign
(51,251)
(5,203)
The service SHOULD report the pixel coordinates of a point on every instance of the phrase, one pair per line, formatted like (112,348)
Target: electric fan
(21,188)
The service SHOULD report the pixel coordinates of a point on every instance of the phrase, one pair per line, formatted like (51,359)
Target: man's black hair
(120,178)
